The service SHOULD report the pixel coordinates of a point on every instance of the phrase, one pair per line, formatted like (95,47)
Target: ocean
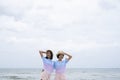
(71,74)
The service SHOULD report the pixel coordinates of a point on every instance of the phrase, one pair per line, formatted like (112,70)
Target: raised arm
(41,53)
(69,56)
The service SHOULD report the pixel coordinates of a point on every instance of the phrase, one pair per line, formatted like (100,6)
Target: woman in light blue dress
(60,65)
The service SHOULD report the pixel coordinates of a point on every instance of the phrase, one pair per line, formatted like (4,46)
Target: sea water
(71,74)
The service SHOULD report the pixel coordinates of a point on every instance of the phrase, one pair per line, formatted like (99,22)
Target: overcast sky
(87,29)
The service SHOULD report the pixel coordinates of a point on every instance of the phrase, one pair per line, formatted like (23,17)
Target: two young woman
(49,65)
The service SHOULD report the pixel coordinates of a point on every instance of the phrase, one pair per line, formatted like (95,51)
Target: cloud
(109,4)
(75,26)
(15,8)
(9,23)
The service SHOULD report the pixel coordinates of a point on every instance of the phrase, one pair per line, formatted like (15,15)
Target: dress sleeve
(66,60)
(43,59)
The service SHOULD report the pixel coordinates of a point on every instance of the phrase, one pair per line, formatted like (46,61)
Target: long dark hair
(51,57)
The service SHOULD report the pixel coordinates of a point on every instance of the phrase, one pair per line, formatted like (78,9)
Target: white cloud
(70,25)
(14,8)
(9,23)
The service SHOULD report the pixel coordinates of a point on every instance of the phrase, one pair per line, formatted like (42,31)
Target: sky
(89,30)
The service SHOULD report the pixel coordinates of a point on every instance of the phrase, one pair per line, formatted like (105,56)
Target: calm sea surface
(71,74)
